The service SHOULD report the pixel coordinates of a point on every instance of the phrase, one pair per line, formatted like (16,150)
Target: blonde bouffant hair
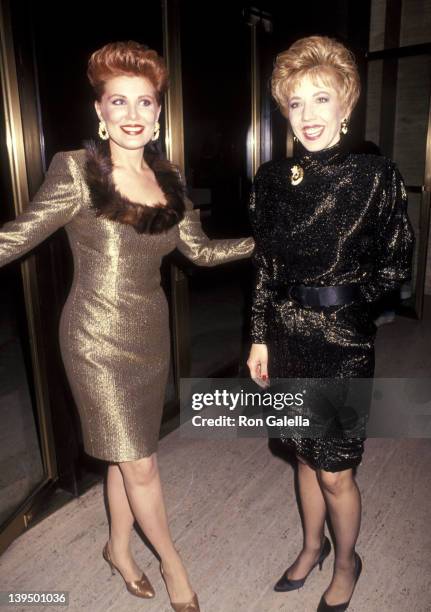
(324,60)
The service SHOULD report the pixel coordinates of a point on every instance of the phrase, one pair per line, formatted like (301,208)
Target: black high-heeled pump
(325,607)
(286,584)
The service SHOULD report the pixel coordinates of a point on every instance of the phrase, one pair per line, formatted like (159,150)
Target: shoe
(324,607)
(189,606)
(139,588)
(286,584)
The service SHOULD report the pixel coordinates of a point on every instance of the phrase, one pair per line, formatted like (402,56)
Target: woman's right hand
(258,364)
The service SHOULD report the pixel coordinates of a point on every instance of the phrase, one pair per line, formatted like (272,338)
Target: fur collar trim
(109,203)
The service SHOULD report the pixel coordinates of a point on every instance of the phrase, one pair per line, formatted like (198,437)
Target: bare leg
(314,512)
(121,525)
(343,500)
(144,492)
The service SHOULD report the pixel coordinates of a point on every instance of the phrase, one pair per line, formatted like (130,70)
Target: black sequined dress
(344,223)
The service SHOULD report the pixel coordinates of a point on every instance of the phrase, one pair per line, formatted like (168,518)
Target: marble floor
(234,519)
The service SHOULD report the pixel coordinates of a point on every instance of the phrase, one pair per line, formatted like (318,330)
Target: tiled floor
(234,518)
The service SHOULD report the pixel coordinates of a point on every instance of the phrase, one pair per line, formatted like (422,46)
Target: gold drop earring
(344,129)
(156,131)
(103,130)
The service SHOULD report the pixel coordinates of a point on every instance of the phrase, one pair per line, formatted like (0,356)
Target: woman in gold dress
(123,208)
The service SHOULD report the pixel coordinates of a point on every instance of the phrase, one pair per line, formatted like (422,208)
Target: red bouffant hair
(129,59)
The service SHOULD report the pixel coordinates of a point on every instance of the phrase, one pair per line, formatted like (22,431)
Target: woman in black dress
(332,237)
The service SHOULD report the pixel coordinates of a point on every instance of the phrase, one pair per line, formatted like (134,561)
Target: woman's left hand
(258,364)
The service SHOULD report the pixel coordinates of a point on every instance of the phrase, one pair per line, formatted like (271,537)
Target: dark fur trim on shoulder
(109,203)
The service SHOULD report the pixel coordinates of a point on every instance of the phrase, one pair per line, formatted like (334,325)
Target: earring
(103,130)
(295,138)
(344,128)
(156,131)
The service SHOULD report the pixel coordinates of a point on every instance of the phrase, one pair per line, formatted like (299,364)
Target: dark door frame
(390,55)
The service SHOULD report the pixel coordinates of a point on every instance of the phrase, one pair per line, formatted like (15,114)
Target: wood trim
(255,100)
(397,52)
(424,223)
(427,174)
(392,23)
(390,78)
(174,139)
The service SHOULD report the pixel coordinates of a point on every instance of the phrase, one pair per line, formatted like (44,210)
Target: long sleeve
(396,240)
(200,249)
(261,289)
(54,205)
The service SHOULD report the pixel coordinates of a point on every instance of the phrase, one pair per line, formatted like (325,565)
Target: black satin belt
(319,296)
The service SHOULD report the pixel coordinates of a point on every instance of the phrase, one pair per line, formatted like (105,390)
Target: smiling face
(130,109)
(315,112)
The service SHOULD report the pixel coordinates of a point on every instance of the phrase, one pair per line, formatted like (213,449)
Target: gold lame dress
(114,327)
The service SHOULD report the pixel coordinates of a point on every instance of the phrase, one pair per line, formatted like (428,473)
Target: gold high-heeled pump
(139,588)
(189,606)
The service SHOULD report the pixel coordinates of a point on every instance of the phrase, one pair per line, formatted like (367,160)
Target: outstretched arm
(54,205)
(200,249)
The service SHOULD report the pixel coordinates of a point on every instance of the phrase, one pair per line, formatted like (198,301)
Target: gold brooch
(297,175)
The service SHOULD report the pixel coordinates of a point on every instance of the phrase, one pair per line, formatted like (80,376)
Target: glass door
(227,136)
(399,120)
(27,461)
